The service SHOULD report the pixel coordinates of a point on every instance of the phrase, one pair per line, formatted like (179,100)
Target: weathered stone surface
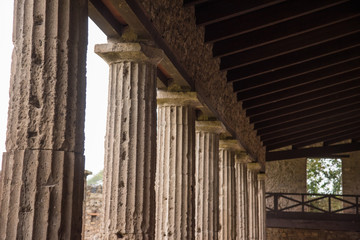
(207,179)
(262,209)
(130,145)
(351,178)
(227,217)
(241,196)
(175,177)
(286,176)
(252,172)
(42,186)
(42,195)
(309,234)
(177,25)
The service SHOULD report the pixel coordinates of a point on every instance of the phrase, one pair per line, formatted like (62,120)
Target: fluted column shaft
(130,145)
(252,171)
(262,209)
(175,167)
(42,172)
(227,203)
(207,179)
(241,196)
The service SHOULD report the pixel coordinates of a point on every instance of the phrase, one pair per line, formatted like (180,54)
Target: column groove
(252,171)
(262,209)
(175,171)
(207,179)
(42,177)
(130,145)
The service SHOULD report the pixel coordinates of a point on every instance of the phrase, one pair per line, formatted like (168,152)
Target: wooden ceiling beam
(354,136)
(219,10)
(303,90)
(334,71)
(247,69)
(291,44)
(310,129)
(265,17)
(308,123)
(355,131)
(267,111)
(289,29)
(294,70)
(308,112)
(327,102)
(315,152)
(310,135)
(188,3)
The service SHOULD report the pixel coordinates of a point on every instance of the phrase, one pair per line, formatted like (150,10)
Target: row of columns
(182,188)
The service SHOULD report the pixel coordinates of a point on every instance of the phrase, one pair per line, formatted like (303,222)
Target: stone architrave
(175,175)
(252,172)
(241,195)
(43,167)
(262,209)
(227,202)
(130,144)
(207,179)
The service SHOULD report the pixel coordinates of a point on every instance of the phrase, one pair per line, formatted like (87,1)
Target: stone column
(241,196)
(262,208)
(43,167)
(207,179)
(130,145)
(227,219)
(175,177)
(252,171)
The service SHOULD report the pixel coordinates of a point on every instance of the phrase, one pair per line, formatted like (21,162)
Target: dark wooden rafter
(256,20)
(296,28)
(306,40)
(307,136)
(312,152)
(309,123)
(351,83)
(219,10)
(294,65)
(321,104)
(268,111)
(312,128)
(245,69)
(334,72)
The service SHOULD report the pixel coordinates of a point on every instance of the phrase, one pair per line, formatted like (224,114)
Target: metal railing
(312,203)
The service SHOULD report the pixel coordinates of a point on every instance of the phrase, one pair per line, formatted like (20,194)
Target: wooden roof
(294,65)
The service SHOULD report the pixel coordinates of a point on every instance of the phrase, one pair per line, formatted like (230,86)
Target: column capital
(118,52)
(243,157)
(209,126)
(177,98)
(232,145)
(254,166)
(261,177)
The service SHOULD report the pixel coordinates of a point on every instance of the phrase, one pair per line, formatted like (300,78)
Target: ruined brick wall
(177,25)
(309,234)
(351,174)
(93,213)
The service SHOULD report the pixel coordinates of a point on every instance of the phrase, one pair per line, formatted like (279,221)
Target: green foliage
(96,179)
(324,176)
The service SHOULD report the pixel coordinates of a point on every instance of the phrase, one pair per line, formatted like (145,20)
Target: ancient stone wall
(177,26)
(287,176)
(309,234)
(351,174)
(93,213)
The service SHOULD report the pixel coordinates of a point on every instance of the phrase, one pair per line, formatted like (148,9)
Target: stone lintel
(243,157)
(209,126)
(118,52)
(177,98)
(261,177)
(254,166)
(232,145)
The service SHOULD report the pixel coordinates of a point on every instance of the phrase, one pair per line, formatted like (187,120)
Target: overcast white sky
(97,82)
